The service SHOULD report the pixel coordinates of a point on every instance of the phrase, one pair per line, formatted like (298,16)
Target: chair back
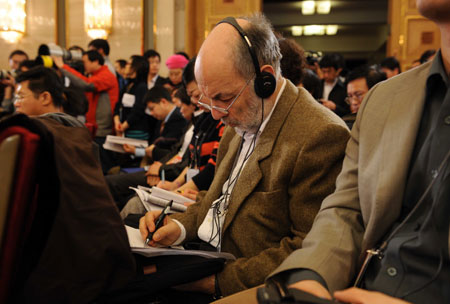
(19,202)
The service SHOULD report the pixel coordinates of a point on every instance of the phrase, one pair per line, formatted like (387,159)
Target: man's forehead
(18,57)
(22,85)
(358,84)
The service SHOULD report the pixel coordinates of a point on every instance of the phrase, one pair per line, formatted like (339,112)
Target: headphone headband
(232,21)
(265,83)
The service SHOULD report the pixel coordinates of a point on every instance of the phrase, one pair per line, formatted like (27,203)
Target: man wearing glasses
(359,82)
(278,158)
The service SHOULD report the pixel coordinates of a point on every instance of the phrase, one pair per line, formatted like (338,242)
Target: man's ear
(339,71)
(164,102)
(46,98)
(268,68)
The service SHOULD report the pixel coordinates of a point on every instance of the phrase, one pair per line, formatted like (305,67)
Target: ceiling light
(315,29)
(323,7)
(12,20)
(332,29)
(297,30)
(97,18)
(308,7)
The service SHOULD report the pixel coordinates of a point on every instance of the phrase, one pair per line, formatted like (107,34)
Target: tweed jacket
(369,190)
(274,202)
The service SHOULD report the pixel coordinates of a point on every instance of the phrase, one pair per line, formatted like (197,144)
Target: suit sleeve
(172,132)
(99,82)
(313,178)
(333,247)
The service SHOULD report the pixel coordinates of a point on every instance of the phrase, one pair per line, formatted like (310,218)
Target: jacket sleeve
(99,82)
(333,246)
(312,179)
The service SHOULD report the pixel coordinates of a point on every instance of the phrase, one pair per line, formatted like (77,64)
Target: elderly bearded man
(278,158)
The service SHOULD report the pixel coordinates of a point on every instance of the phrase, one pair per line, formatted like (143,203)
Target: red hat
(176,62)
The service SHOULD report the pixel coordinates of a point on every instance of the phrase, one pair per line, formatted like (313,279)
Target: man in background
(390,66)
(102,91)
(333,91)
(39,91)
(154,61)
(359,82)
(102,46)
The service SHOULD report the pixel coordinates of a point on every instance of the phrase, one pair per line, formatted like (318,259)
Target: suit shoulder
(407,78)
(307,110)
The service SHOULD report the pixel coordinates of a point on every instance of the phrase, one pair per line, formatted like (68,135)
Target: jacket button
(391,271)
(447,120)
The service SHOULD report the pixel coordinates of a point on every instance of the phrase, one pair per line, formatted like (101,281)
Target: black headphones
(265,82)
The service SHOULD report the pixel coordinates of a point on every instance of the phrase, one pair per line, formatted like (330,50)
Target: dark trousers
(107,159)
(119,185)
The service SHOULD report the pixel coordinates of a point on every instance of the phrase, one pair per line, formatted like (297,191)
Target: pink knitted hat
(176,62)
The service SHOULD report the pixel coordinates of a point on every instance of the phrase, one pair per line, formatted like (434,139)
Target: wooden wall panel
(202,15)
(410,33)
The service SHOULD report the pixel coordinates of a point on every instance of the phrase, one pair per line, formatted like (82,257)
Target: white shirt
(152,82)
(187,140)
(208,229)
(327,88)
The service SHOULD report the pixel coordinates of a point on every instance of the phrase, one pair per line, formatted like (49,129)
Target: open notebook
(156,199)
(138,246)
(115,143)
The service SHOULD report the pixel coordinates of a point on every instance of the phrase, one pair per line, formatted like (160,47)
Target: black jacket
(337,95)
(172,132)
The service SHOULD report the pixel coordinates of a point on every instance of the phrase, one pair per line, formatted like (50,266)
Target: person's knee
(133,206)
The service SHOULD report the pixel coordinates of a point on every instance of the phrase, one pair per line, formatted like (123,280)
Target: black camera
(311,60)
(52,49)
(270,294)
(4,74)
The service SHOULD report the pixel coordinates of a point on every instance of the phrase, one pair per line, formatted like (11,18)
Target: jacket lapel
(251,173)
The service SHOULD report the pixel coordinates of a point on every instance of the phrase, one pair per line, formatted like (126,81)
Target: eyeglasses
(224,111)
(358,96)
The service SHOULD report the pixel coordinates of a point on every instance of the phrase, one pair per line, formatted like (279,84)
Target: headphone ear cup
(265,84)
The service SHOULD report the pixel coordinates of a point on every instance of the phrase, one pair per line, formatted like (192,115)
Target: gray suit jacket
(292,169)
(369,190)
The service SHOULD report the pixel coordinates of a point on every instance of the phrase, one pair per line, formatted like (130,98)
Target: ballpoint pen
(159,221)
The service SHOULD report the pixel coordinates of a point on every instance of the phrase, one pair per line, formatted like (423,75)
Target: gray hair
(261,35)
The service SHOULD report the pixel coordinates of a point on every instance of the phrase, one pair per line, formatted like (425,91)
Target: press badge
(128,100)
(191,173)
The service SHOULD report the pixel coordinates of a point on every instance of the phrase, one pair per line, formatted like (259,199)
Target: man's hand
(153,180)
(166,185)
(189,193)
(58,61)
(329,104)
(154,169)
(166,235)
(9,81)
(360,296)
(312,287)
(129,148)
(124,126)
(205,285)
(149,150)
